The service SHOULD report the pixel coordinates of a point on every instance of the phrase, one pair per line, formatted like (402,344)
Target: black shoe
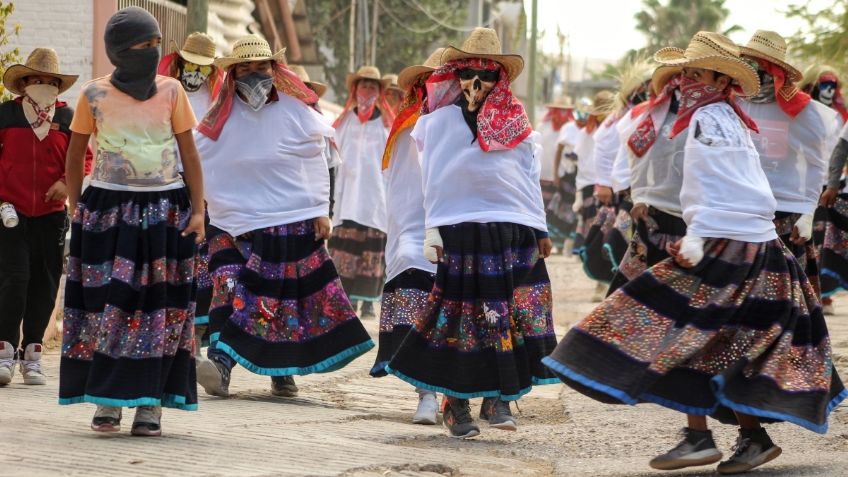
(753,448)
(498,414)
(696,448)
(457,418)
(214,377)
(283,386)
(367,310)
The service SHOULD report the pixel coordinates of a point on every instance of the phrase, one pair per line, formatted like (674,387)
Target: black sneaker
(498,414)
(367,310)
(283,386)
(753,448)
(214,377)
(456,415)
(696,448)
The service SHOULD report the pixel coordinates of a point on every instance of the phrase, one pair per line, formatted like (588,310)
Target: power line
(403,25)
(419,7)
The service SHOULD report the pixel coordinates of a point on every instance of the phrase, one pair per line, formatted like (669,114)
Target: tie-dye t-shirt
(136,147)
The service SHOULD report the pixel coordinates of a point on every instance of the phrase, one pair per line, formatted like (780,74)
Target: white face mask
(44,95)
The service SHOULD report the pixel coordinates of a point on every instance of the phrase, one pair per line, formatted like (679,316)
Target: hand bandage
(692,249)
(432,239)
(578,202)
(805,226)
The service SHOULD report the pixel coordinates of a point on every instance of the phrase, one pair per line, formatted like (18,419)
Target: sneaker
(367,310)
(457,418)
(147,421)
(696,448)
(31,365)
(427,407)
(498,414)
(106,419)
(600,292)
(283,386)
(753,448)
(214,377)
(7,362)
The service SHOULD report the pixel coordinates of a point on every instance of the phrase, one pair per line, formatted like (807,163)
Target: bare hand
(545,247)
(197,226)
(828,197)
(557,180)
(795,237)
(604,195)
(639,211)
(440,254)
(673,249)
(323,229)
(57,192)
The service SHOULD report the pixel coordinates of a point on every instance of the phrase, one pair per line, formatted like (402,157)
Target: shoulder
(167,83)
(718,125)
(12,114)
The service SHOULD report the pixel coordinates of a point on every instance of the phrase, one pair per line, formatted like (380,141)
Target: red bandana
(558,117)
(838,103)
(502,122)
(379,102)
(693,95)
(168,67)
(790,99)
(285,81)
(409,110)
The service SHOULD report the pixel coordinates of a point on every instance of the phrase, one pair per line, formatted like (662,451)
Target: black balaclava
(135,70)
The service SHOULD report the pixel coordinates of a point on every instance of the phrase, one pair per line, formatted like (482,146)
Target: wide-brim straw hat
(300,71)
(42,61)
(393,82)
(602,103)
(813,73)
(707,50)
(563,102)
(198,48)
(484,43)
(366,72)
(407,75)
(770,46)
(250,48)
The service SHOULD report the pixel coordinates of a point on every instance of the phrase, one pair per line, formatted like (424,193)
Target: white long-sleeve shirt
(607,143)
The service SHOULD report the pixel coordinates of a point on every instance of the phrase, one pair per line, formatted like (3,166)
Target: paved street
(349,424)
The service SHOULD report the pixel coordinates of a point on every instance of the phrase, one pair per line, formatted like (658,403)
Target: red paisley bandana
(285,81)
(558,117)
(386,114)
(838,103)
(502,122)
(790,99)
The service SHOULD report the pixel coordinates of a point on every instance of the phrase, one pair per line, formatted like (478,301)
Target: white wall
(65,26)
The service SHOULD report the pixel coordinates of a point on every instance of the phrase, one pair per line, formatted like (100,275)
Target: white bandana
(39,104)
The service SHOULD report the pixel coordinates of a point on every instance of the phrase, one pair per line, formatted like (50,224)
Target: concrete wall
(65,26)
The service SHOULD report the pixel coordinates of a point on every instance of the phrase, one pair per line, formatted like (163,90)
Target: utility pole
(197,16)
(352,44)
(374,19)
(531,87)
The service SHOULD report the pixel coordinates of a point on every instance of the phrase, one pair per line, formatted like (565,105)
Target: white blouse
(548,141)
(607,144)
(585,150)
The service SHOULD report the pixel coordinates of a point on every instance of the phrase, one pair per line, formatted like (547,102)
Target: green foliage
(405,34)
(674,22)
(8,57)
(823,39)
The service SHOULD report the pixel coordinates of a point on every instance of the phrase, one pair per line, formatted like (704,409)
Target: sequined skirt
(834,251)
(278,306)
(742,331)
(128,331)
(487,322)
(203,282)
(404,299)
(359,254)
(596,261)
(807,254)
(562,221)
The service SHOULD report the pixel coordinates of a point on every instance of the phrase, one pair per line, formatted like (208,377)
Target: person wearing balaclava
(129,311)
(33,143)
(359,215)
(488,322)
(278,306)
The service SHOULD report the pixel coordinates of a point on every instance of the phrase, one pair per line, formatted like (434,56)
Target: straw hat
(813,73)
(393,82)
(42,61)
(563,102)
(711,51)
(198,48)
(408,74)
(602,103)
(366,72)
(300,71)
(770,46)
(484,43)
(250,48)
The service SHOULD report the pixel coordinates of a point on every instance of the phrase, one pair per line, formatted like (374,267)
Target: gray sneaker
(457,418)
(753,448)
(214,377)
(147,421)
(696,448)
(106,419)
(283,386)
(498,414)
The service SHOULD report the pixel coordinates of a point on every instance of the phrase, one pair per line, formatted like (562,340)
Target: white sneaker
(31,365)
(7,362)
(427,407)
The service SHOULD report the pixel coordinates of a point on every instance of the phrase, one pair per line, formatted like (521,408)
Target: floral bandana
(838,103)
(558,117)
(790,99)
(502,122)
(409,110)
(285,81)
(693,95)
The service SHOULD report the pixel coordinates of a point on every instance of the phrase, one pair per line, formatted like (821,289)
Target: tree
(8,57)
(673,23)
(408,31)
(823,39)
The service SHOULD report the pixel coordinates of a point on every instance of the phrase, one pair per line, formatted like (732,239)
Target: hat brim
(319,88)
(226,61)
(353,78)
(17,72)
(408,75)
(191,57)
(736,68)
(513,64)
(792,73)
